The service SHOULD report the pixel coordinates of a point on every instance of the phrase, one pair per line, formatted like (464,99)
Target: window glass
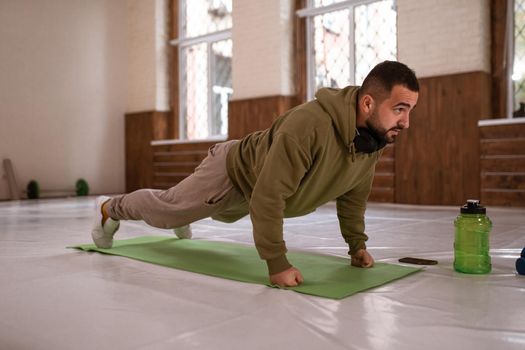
(205,82)
(518,71)
(222,86)
(375,36)
(348,42)
(195,92)
(331,49)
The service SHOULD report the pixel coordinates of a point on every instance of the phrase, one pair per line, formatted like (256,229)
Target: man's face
(392,115)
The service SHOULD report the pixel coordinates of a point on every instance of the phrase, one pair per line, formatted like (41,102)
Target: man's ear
(367,104)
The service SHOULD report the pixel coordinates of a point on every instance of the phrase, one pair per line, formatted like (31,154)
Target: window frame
(311,11)
(510,57)
(510,43)
(182,42)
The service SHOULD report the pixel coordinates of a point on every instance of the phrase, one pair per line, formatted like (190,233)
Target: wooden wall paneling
(249,115)
(503,164)
(503,146)
(514,180)
(173,163)
(437,158)
(503,198)
(383,185)
(173,69)
(385,165)
(300,53)
(498,17)
(504,132)
(140,129)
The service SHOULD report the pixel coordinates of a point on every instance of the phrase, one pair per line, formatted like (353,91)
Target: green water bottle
(471,244)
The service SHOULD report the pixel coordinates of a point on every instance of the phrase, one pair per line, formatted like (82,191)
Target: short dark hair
(384,76)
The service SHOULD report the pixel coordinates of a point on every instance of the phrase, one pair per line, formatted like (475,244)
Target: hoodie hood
(340,104)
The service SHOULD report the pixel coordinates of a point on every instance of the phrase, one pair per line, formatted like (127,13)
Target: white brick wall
(262,48)
(444,37)
(63,92)
(148,84)
(435,37)
(161,57)
(141,56)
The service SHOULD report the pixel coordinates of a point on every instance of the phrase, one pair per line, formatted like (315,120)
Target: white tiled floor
(57,298)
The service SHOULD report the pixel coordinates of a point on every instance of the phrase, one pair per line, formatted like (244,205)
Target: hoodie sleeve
(351,214)
(285,165)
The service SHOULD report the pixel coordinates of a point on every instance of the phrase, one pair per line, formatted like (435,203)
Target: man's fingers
(367,260)
(368,264)
(362,263)
(296,280)
(288,278)
(362,259)
(292,282)
(299,277)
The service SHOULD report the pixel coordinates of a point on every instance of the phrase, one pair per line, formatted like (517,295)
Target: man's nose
(404,122)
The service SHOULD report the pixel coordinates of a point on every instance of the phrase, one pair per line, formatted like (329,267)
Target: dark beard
(379,133)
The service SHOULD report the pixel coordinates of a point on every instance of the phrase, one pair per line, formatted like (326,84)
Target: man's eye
(397,110)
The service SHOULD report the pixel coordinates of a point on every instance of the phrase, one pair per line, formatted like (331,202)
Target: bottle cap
(473,207)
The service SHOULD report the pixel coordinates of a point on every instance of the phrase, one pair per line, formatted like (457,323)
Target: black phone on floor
(417,261)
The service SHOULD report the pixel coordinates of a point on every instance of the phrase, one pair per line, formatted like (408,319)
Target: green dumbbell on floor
(34,192)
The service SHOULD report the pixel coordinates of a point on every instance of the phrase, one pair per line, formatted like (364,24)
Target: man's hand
(362,259)
(288,278)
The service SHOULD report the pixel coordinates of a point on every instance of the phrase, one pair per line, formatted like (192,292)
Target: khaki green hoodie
(305,159)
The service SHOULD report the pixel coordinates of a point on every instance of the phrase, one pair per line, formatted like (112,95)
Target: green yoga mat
(324,275)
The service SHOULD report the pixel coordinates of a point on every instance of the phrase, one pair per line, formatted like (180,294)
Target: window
(205,68)
(518,60)
(345,39)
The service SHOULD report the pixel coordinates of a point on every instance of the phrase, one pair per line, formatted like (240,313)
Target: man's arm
(285,165)
(351,209)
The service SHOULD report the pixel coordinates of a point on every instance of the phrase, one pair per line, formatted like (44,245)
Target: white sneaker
(183,232)
(103,234)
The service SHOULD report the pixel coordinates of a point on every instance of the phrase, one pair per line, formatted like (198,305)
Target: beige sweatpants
(208,192)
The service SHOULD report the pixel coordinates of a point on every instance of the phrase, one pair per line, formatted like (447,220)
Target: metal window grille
(346,38)
(205,61)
